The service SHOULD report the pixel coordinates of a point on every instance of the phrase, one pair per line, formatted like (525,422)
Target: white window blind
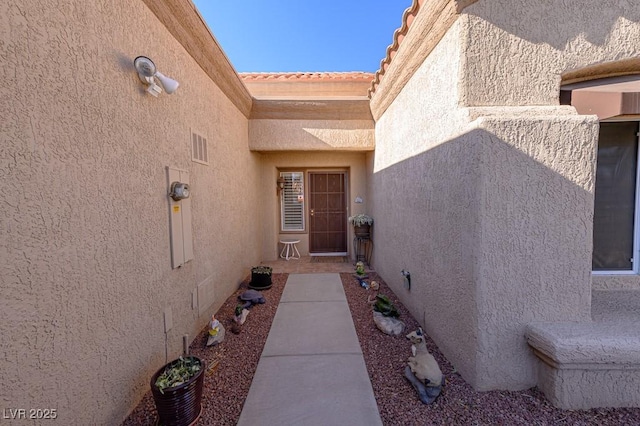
(292,201)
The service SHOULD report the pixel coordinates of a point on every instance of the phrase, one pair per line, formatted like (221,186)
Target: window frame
(303,220)
(635,262)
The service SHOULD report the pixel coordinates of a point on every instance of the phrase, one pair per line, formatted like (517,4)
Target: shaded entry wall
(482,185)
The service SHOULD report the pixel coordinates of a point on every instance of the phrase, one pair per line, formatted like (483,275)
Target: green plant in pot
(261,277)
(177,391)
(361,225)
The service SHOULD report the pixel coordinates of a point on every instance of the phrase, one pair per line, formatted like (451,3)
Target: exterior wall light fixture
(280,182)
(149,75)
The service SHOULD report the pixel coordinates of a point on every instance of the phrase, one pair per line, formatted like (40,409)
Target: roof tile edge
(398,35)
(407,19)
(306,76)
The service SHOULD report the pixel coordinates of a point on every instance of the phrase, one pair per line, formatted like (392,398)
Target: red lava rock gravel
(458,404)
(225,390)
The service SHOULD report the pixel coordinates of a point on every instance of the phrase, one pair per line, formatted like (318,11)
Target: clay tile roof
(306,76)
(407,19)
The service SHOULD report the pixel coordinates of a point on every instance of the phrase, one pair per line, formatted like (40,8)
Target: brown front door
(327,212)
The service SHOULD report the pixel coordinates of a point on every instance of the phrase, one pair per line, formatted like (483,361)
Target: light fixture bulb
(144,66)
(169,84)
(148,73)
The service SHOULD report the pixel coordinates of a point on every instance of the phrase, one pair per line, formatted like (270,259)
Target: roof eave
(424,24)
(186,25)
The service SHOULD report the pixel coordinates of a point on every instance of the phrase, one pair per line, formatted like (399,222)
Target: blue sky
(301,35)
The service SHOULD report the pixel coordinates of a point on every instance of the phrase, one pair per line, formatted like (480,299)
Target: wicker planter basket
(362,231)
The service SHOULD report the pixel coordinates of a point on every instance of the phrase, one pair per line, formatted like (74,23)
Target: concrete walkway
(311,371)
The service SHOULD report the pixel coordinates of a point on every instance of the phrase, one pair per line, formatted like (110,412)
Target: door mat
(329,259)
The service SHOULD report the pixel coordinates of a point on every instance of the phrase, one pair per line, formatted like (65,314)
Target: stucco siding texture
(516,51)
(490,210)
(536,237)
(425,204)
(616,282)
(577,389)
(311,135)
(537,167)
(85,241)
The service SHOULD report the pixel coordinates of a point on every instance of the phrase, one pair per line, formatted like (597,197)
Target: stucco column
(537,170)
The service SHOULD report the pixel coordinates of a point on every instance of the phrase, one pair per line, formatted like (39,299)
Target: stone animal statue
(423,364)
(423,370)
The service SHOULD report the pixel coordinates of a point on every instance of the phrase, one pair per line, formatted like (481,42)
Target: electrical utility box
(179,220)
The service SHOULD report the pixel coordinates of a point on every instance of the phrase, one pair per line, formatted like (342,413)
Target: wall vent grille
(199,149)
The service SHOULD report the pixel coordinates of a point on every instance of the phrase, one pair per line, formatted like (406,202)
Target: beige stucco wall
(328,87)
(532,44)
(85,224)
(526,68)
(352,162)
(615,282)
(535,239)
(311,135)
(425,203)
(490,208)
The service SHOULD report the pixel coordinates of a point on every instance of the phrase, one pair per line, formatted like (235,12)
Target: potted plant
(177,391)
(261,277)
(361,225)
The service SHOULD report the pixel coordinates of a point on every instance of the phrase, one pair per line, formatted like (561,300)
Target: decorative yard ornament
(422,369)
(216,332)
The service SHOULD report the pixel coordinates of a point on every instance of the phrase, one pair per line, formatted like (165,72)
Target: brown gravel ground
(225,390)
(385,356)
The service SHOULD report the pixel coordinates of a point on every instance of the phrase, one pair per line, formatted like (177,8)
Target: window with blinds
(292,201)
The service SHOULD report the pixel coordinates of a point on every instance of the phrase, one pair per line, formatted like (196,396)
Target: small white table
(290,251)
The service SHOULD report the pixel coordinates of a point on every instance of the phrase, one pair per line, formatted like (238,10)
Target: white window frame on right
(635,254)
(292,202)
